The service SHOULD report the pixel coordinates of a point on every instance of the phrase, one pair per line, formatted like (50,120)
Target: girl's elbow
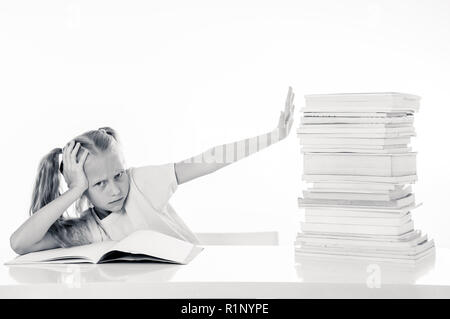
(16,246)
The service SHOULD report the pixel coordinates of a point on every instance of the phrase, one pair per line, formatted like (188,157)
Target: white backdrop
(178,77)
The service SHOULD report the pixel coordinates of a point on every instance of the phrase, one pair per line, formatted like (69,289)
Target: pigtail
(46,187)
(66,231)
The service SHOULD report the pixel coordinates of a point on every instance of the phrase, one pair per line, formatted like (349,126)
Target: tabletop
(233,272)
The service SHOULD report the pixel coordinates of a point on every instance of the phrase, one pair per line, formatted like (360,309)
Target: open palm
(287,116)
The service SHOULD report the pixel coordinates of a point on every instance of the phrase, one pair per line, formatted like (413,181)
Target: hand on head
(73,170)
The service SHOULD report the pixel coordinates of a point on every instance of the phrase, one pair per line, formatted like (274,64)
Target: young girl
(112,201)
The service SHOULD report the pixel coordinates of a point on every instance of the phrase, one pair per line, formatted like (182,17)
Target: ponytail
(46,187)
(66,231)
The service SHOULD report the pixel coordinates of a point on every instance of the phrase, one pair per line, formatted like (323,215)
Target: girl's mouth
(116,201)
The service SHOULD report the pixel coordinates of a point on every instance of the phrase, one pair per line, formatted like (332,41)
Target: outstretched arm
(222,155)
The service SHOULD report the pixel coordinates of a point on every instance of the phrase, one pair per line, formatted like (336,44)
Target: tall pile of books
(359,170)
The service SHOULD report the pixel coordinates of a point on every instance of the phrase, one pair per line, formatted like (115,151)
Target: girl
(112,201)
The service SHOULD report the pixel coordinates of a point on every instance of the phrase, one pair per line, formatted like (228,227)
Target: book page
(119,256)
(155,244)
(85,253)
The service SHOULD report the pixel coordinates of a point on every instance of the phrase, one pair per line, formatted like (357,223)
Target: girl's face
(108,180)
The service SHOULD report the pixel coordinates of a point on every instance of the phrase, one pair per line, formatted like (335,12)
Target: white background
(178,77)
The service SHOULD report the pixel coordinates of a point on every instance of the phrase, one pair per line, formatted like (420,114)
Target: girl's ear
(83,203)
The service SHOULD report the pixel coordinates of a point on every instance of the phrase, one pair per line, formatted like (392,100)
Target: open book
(141,245)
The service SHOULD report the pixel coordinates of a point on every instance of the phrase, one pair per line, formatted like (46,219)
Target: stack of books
(359,168)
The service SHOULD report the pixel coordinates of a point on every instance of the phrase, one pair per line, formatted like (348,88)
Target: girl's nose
(114,189)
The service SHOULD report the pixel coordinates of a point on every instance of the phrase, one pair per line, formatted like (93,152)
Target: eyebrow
(103,179)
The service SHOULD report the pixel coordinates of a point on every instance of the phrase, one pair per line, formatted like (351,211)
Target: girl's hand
(73,171)
(287,117)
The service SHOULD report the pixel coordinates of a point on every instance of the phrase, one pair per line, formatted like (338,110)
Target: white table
(232,272)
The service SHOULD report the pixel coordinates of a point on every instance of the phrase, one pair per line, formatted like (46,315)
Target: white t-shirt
(146,207)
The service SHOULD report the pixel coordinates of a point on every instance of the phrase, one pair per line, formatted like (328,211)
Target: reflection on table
(261,271)
(361,271)
(78,274)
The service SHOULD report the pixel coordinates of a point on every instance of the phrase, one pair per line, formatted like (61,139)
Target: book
(348,210)
(371,237)
(411,241)
(361,190)
(307,140)
(356,146)
(356,186)
(355,150)
(336,194)
(365,220)
(357,229)
(353,135)
(379,98)
(377,102)
(389,165)
(392,258)
(321,212)
(401,202)
(368,115)
(140,246)
(409,179)
(411,254)
(306,120)
(356,109)
(415,247)
(354,128)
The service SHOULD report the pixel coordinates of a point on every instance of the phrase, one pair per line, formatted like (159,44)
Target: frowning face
(108,180)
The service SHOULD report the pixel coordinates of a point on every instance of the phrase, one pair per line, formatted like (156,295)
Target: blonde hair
(69,231)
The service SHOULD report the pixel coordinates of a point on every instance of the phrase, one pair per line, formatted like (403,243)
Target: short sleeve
(156,182)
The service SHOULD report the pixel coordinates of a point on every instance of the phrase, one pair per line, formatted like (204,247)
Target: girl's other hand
(73,171)
(287,117)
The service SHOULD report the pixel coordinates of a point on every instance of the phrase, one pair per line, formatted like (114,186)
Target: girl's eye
(119,175)
(100,183)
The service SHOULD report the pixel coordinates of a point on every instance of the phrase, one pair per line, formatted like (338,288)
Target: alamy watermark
(374,278)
